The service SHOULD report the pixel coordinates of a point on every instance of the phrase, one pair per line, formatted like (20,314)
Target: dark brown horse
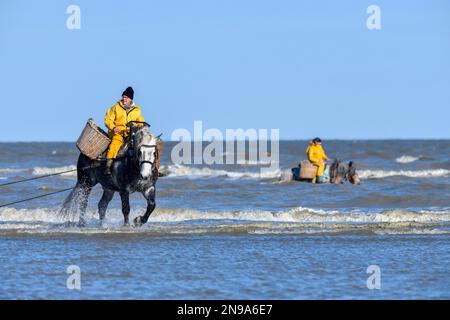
(340,172)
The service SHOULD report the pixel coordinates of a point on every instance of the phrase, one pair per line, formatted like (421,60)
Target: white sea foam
(193,172)
(29,215)
(10,170)
(282,175)
(406,159)
(257,162)
(379,174)
(171,171)
(42,170)
(328,219)
(362,230)
(305,215)
(45,170)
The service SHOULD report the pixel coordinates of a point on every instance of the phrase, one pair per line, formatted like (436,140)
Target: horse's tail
(70,204)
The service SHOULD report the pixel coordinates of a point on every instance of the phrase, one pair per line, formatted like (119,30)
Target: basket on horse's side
(307,170)
(93,141)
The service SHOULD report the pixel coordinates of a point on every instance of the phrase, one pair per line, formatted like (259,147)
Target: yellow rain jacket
(118,116)
(316,155)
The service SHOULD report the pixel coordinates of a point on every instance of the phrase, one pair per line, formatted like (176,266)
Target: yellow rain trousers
(118,117)
(316,155)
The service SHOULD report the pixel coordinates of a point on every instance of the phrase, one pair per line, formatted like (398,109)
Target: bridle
(139,162)
(148,161)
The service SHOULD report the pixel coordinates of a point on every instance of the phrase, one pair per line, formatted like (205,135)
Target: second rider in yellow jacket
(317,155)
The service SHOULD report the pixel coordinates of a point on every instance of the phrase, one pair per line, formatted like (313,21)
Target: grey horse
(134,170)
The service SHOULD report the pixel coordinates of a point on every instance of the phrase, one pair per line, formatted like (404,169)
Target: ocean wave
(28,215)
(284,175)
(10,170)
(42,170)
(194,172)
(45,170)
(406,159)
(280,175)
(187,221)
(379,174)
(171,171)
(303,215)
(256,163)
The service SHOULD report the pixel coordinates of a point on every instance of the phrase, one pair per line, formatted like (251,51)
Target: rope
(35,178)
(47,175)
(41,196)
(40,177)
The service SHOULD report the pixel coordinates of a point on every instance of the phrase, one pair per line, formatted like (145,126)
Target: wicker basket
(307,170)
(93,141)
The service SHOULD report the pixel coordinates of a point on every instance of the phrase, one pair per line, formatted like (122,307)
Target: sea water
(232,232)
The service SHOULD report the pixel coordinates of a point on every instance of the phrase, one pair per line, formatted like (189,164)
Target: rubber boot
(109,163)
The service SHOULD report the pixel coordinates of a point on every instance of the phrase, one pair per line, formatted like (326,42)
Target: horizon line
(247,140)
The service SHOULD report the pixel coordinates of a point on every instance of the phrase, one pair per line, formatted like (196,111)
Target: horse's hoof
(81,224)
(137,222)
(126,224)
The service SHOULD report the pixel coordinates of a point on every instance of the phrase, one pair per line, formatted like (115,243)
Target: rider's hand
(116,129)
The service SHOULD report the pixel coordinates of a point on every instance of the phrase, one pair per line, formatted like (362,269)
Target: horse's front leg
(125,198)
(149,195)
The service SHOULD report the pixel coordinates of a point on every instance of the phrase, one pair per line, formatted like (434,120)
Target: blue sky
(308,68)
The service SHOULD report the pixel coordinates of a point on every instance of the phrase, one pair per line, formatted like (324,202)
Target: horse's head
(145,145)
(352,176)
(340,172)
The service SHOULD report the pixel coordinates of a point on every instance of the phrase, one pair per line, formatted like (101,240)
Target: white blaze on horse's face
(146,160)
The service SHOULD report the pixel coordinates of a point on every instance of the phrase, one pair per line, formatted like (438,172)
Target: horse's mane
(143,136)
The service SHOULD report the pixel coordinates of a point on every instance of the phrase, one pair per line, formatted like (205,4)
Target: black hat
(129,92)
(317,140)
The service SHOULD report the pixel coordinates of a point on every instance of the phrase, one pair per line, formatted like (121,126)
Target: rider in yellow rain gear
(317,155)
(116,120)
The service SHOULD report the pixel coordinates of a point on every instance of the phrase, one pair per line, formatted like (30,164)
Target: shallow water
(228,231)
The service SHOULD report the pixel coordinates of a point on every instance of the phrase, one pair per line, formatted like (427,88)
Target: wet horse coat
(135,171)
(340,172)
